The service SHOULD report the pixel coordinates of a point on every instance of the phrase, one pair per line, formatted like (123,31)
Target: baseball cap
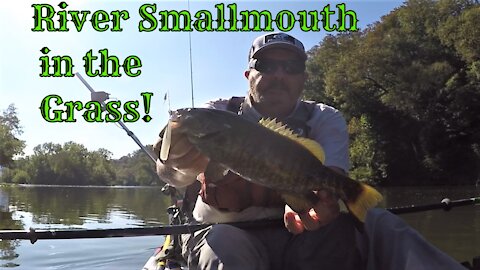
(277,40)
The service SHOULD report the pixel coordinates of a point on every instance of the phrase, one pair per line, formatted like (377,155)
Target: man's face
(274,92)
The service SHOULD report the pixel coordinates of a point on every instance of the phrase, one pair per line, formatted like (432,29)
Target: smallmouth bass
(268,154)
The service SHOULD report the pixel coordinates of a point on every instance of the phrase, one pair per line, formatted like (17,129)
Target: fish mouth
(175,120)
(177,115)
(183,112)
(181,120)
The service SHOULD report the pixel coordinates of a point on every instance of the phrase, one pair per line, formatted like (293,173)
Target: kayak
(162,257)
(166,258)
(153,263)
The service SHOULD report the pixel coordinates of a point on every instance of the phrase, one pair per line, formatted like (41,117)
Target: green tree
(136,169)
(10,130)
(41,168)
(363,155)
(415,76)
(67,164)
(101,167)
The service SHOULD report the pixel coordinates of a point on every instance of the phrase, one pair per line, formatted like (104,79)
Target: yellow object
(161,261)
(368,198)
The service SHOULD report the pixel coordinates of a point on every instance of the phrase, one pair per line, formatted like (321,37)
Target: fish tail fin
(366,199)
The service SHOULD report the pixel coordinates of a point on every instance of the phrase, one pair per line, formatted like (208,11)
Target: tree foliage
(410,87)
(10,130)
(136,168)
(73,164)
(67,164)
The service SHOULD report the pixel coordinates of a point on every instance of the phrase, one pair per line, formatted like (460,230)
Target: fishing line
(191,62)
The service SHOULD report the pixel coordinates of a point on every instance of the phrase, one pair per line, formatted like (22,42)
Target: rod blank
(34,235)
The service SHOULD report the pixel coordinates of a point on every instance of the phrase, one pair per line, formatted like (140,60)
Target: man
(276,75)
(323,238)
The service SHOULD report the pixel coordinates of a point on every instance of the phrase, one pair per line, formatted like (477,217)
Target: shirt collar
(251,113)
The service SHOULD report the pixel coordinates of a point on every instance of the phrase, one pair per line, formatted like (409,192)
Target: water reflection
(456,232)
(44,207)
(81,206)
(7,248)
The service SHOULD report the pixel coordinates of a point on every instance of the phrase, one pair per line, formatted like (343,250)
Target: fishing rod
(34,235)
(101,96)
(446,204)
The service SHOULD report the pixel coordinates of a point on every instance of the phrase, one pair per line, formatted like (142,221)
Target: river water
(456,232)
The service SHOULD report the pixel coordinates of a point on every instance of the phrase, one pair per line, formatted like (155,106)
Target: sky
(216,61)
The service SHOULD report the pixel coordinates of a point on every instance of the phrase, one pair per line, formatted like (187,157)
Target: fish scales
(249,162)
(260,154)
(265,157)
(270,155)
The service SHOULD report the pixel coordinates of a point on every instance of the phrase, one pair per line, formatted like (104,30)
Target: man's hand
(326,210)
(183,158)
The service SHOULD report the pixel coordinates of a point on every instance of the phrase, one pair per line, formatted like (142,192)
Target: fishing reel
(99,96)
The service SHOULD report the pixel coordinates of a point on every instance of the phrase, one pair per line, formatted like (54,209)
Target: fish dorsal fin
(311,145)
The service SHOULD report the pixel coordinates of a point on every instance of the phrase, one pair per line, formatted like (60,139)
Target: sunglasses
(269,66)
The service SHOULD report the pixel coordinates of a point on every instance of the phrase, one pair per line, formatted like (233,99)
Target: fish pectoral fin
(300,203)
(215,171)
